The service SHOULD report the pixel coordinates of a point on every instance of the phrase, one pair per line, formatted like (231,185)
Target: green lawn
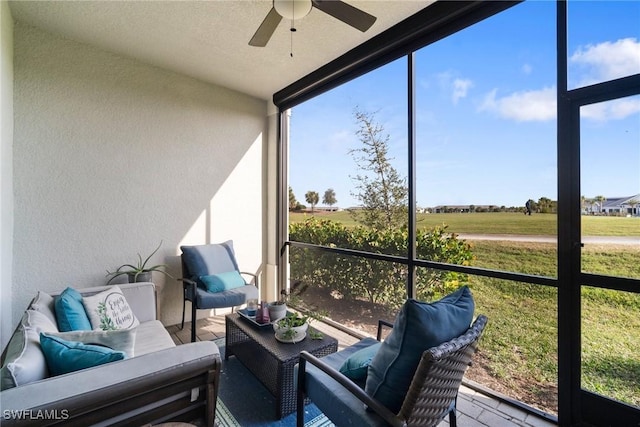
(519,348)
(504,223)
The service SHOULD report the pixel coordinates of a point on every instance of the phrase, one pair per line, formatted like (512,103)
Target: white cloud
(460,88)
(457,87)
(533,105)
(540,105)
(613,110)
(607,60)
(527,69)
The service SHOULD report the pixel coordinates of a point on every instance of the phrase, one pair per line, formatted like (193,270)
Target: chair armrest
(189,284)
(254,281)
(382,323)
(353,388)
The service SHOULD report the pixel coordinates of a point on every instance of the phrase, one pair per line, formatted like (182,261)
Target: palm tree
(633,203)
(312,198)
(600,201)
(293,203)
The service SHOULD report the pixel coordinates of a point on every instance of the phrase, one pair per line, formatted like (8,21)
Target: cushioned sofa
(157,382)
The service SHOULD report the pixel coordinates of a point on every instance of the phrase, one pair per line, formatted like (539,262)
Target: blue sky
(486,125)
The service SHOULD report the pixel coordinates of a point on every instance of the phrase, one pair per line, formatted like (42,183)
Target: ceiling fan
(297,9)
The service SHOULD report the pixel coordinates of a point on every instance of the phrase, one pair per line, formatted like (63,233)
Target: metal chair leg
(452,415)
(193,321)
(184,303)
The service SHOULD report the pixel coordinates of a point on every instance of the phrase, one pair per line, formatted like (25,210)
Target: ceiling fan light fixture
(292,9)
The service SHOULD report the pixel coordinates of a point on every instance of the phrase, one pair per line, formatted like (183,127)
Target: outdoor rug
(243,401)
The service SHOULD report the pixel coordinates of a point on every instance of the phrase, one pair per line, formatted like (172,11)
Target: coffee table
(272,362)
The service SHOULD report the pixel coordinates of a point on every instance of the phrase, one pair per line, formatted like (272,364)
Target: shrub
(376,280)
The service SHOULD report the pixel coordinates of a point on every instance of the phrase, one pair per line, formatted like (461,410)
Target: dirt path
(587,240)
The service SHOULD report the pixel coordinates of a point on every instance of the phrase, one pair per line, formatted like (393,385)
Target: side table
(272,362)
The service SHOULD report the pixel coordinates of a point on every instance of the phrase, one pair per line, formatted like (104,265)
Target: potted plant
(291,328)
(278,309)
(139,272)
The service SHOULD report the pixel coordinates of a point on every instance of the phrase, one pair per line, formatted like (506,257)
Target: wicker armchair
(431,396)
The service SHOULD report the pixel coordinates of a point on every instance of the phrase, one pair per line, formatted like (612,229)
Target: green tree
(381,191)
(634,204)
(600,201)
(312,198)
(544,205)
(293,203)
(329,197)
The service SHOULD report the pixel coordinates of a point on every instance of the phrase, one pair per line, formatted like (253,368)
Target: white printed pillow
(119,340)
(109,310)
(24,362)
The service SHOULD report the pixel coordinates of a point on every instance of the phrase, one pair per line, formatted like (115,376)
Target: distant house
(464,208)
(622,205)
(325,209)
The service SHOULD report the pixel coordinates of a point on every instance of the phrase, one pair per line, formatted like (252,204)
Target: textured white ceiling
(208,40)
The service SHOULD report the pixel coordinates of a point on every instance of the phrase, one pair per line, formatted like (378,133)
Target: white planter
(297,335)
(277,311)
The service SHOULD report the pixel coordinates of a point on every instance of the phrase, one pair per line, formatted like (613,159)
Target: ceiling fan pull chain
(293,30)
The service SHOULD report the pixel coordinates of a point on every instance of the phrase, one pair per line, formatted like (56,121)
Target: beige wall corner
(112,155)
(6,172)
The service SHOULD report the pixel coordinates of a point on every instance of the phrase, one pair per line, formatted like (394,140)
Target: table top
(265,337)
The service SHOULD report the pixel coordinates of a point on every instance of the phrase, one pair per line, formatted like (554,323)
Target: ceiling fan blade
(266,29)
(346,13)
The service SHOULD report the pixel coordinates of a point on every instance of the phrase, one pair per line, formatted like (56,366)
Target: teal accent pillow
(356,365)
(64,356)
(223,281)
(70,313)
(418,327)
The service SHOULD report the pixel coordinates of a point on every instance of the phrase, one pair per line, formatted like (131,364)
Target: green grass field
(503,223)
(519,348)
(521,343)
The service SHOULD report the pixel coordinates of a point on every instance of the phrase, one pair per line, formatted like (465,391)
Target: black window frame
(437,21)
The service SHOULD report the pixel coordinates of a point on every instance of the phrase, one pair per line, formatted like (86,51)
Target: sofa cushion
(357,365)
(230,298)
(150,337)
(70,313)
(64,356)
(24,361)
(418,327)
(109,310)
(120,339)
(45,304)
(222,281)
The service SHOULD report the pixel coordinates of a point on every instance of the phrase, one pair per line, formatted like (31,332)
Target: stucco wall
(6,178)
(111,156)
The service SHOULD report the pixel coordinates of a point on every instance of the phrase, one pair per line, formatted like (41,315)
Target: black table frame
(271,361)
